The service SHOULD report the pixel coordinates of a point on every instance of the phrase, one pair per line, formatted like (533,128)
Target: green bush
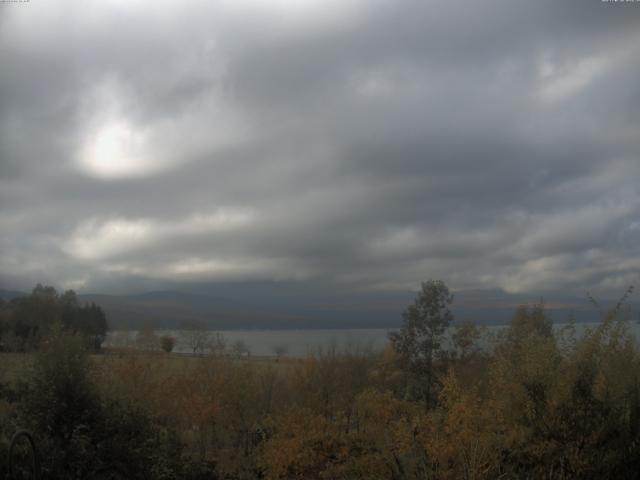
(79,433)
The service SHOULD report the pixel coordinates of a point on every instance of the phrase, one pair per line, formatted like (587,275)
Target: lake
(303,342)
(264,342)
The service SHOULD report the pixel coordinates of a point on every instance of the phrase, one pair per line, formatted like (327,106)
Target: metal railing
(21,447)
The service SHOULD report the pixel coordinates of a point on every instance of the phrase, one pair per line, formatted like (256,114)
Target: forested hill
(170,309)
(7,295)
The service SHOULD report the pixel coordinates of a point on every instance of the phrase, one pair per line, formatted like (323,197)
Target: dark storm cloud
(355,145)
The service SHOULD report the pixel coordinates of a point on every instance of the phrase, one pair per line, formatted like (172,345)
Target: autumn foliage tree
(462,437)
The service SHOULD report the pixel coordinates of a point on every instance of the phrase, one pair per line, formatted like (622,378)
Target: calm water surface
(303,342)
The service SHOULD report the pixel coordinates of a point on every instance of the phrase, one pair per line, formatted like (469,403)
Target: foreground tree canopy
(533,403)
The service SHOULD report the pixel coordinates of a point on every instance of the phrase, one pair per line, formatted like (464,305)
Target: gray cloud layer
(361,145)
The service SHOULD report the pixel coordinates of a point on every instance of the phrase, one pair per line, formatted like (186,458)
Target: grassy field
(15,366)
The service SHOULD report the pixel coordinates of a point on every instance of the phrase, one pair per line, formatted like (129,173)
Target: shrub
(80,433)
(167,343)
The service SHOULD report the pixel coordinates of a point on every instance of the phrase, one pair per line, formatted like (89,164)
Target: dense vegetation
(26,320)
(539,403)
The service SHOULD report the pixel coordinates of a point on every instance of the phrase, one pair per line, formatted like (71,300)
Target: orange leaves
(303,444)
(461,437)
(300,446)
(195,401)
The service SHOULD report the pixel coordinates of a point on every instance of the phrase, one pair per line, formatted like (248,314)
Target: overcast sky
(358,145)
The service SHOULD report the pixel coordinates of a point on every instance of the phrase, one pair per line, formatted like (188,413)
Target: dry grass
(14,367)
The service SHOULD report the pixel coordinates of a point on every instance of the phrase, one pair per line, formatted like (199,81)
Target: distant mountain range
(9,294)
(170,309)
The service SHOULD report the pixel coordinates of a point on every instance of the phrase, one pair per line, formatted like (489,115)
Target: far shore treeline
(26,320)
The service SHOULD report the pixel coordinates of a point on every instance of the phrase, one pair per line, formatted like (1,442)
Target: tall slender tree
(419,341)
